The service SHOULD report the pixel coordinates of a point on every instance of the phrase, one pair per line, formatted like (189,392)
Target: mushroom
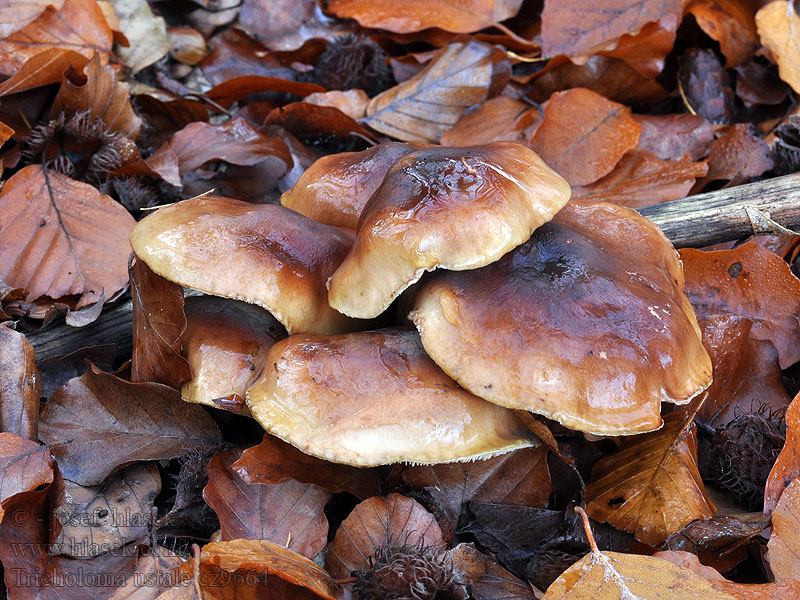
(262,254)
(455,208)
(373,398)
(336,187)
(225,342)
(585,323)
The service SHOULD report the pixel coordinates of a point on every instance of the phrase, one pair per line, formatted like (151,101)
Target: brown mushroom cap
(586,323)
(262,254)
(225,342)
(336,187)
(455,208)
(373,398)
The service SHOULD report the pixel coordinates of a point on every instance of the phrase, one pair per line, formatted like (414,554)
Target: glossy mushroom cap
(373,398)
(225,342)
(454,208)
(586,323)
(336,187)
(260,253)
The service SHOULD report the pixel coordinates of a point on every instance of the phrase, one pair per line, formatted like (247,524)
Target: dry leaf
(486,579)
(156,571)
(651,485)
(787,467)
(16,14)
(129,421)
(647,50)
(778,24)
(497,119)
(353,103)
(79,26)
(757,83)
(706,86)
(146,33)
(738,155)
(5,134)
(43,68)
(424,107)
(731,23)
(24,466)
(583,135)
(288,514)
(671,137)
(315,124)
(20,385)
(61,237)
(235,89)
(784,544)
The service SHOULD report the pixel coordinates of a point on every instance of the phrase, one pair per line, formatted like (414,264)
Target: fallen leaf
(783,547)
(738,155)
(757,83)
(731,23)
(41,69)
(651,485)
(5,134)
(706,86)
(777,24)
(16,14)
(486,579)
(642,179)
(146,33)
(233,53)
(497,119)
(232,90)
(20,385)
(289,514)
(583,135)
(647,50)
(391,521)
(424,107)
(156,571)
(61,237)
(158,323)
(353,103)
(25,465)
(315,124)
(275,461)
(787,467)
(670,137)
(129,421)
(79,25)
(750,282)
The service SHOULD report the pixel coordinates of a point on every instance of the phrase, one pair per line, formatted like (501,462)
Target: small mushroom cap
(225,342)
(260,253)
(586,323)
(373,398)
(455,208)
(336,187)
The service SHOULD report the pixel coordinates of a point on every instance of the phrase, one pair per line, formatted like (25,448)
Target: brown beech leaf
(79,25)
(289,514)
(158,323)
(787,467)
(265,558)
(651,485)
(24,466)
(43,68)
(128,421)
(731,23)
(497,119)
(156,571)
(275,461)
(583,135)
(519,477)
(5,133)
(353,103)
(642,179)
(313,123)
(647,50)
(61,237)
(582,28)
(424,107)
(230,91)
(784,543)
(777,24)
(105,518)
(461,16)
(97,91)
(738,155)
(20,385)
(16,14)
(670,137)
(746,371)
(750,282)
(234,53)
(394,520)
(486,579)
(757,83)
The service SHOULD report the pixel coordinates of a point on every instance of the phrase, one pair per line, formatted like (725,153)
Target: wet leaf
(20,385)
(777,24)
(146,33)
(583,135)
(486,579)
(651,485)
(129,421)
(497,119)
(738,155)
(25,465)
(784,543)
(16,14)
(731,23)
(289,514)
(43,68)
(787,467)
(424,107)
(59,236)
(670,137)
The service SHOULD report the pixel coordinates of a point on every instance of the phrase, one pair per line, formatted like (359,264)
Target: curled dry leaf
(497,119)
(288,514)
(79,25)
(787,467)
(642,179)
(486,579)
(24,466)
(44,68)
(647,50)
(671,137)
(738,155)
(784,543)
(146,33)
(158,323)
(732,24)
(750,282)
(777,24)
(464,16)
(391,521)
(582,150)
(61,237)
(314,123)
(651,485)
(16,14)
(424,107)
(234,89)
(129,421)
(20,385)
(353,103)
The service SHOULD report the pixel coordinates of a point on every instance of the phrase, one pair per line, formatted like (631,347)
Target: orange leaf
(583,135)
(16,14)
(731,23)
(738,155)
(784,543)
(498,119)
(778,24)
(787,467)
(43,68)
(24,466)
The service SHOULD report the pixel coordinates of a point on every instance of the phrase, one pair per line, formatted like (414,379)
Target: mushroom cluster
(519,298)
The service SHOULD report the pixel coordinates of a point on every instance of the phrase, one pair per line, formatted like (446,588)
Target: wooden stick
(700,220)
